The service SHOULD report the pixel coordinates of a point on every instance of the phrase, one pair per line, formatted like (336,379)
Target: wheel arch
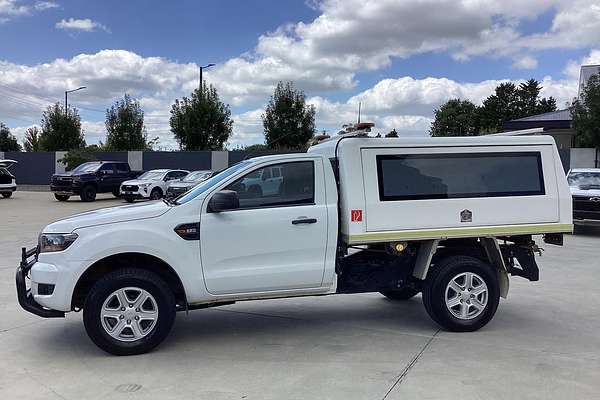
(485,249)
(122,260)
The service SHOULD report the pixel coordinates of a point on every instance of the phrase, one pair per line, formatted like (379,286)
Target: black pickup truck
(91,178)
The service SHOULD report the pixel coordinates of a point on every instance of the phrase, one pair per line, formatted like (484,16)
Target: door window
(122,167)
(296,186)
(107,168)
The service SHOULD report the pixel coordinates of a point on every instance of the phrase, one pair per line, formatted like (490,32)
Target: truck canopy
(436,188)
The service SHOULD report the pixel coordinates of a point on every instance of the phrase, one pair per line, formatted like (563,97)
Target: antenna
(359,105)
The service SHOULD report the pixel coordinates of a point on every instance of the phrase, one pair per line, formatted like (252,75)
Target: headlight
(144,185)
(51,242)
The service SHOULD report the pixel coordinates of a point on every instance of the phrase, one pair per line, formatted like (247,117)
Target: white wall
(584,158)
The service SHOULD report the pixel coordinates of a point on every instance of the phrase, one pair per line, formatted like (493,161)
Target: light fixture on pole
(71,91)
(202,68)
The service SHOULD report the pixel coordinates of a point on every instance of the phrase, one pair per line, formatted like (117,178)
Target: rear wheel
(6,195)
(61,197)
(88,193)
(129,311)
(461,293)
(401,294)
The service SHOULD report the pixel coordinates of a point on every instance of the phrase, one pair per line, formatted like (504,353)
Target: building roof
(559,115)
(560,119)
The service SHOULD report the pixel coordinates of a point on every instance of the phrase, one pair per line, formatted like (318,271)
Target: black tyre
(156,194)
(129,199)
(129,311)
(88,193)
(461,293)
(6,195)
(116,193)
(61,197)
(401,294)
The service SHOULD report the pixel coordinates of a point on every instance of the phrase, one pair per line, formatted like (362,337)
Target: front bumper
(8,188)
(586,222)
(24,295)
(140,193)
(66,190)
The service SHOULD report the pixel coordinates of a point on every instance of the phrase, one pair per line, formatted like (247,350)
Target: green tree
(289,123)
(201,122)
(586,114)
(455,118)
(7,140)
(255,147)
(32,139)
(511,102)
(500,107)
(125,126)
(61,131)
(73,158)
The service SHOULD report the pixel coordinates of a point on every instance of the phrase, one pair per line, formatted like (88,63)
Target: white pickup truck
(450,218)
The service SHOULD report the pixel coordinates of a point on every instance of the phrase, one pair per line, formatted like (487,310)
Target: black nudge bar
(23,294)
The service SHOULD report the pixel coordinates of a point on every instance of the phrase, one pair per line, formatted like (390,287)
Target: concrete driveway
(544,342)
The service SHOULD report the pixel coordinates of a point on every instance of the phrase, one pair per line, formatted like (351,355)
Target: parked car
(180,186)
(264,182)
(91,178)
(585,189)
(8,182)
(449,217)
(151,184)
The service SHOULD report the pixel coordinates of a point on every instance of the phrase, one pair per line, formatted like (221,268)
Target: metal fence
(37,168)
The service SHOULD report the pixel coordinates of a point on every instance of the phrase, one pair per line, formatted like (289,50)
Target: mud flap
(494,254)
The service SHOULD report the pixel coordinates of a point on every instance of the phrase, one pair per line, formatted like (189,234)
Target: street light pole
(202,68)
(70,91)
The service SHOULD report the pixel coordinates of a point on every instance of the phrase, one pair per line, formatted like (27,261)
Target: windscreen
(152,175)
(88,167)
(584,179)
(210,182)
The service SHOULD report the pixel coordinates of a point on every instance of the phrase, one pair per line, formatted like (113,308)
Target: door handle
(304,221)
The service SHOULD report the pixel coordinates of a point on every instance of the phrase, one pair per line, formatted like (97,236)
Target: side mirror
(223,201)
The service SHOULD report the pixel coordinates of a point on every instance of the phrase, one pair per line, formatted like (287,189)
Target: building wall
(585,158)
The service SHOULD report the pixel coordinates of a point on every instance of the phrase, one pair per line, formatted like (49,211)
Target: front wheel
(61,197)
(129,311)
(156,194)
(88,193)
(6,195)
(461,293)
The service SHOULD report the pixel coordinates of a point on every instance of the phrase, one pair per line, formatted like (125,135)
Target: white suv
(8,184)
(150,185)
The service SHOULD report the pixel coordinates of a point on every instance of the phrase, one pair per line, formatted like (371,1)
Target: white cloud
(525,62)
(15,8)
(247,129)
(45,5)
(82,25)
(10,8)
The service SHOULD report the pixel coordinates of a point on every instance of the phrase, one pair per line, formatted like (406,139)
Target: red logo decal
(356,215)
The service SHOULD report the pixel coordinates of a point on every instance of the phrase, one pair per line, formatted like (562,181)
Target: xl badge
(466,216)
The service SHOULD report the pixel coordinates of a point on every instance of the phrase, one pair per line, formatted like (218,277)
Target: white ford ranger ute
(451,218)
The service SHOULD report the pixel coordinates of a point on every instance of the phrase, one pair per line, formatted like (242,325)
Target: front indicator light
(52,242)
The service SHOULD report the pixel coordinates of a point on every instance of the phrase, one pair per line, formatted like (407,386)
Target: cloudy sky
(400,58)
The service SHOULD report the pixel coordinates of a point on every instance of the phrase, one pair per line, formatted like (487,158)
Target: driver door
(274,241)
